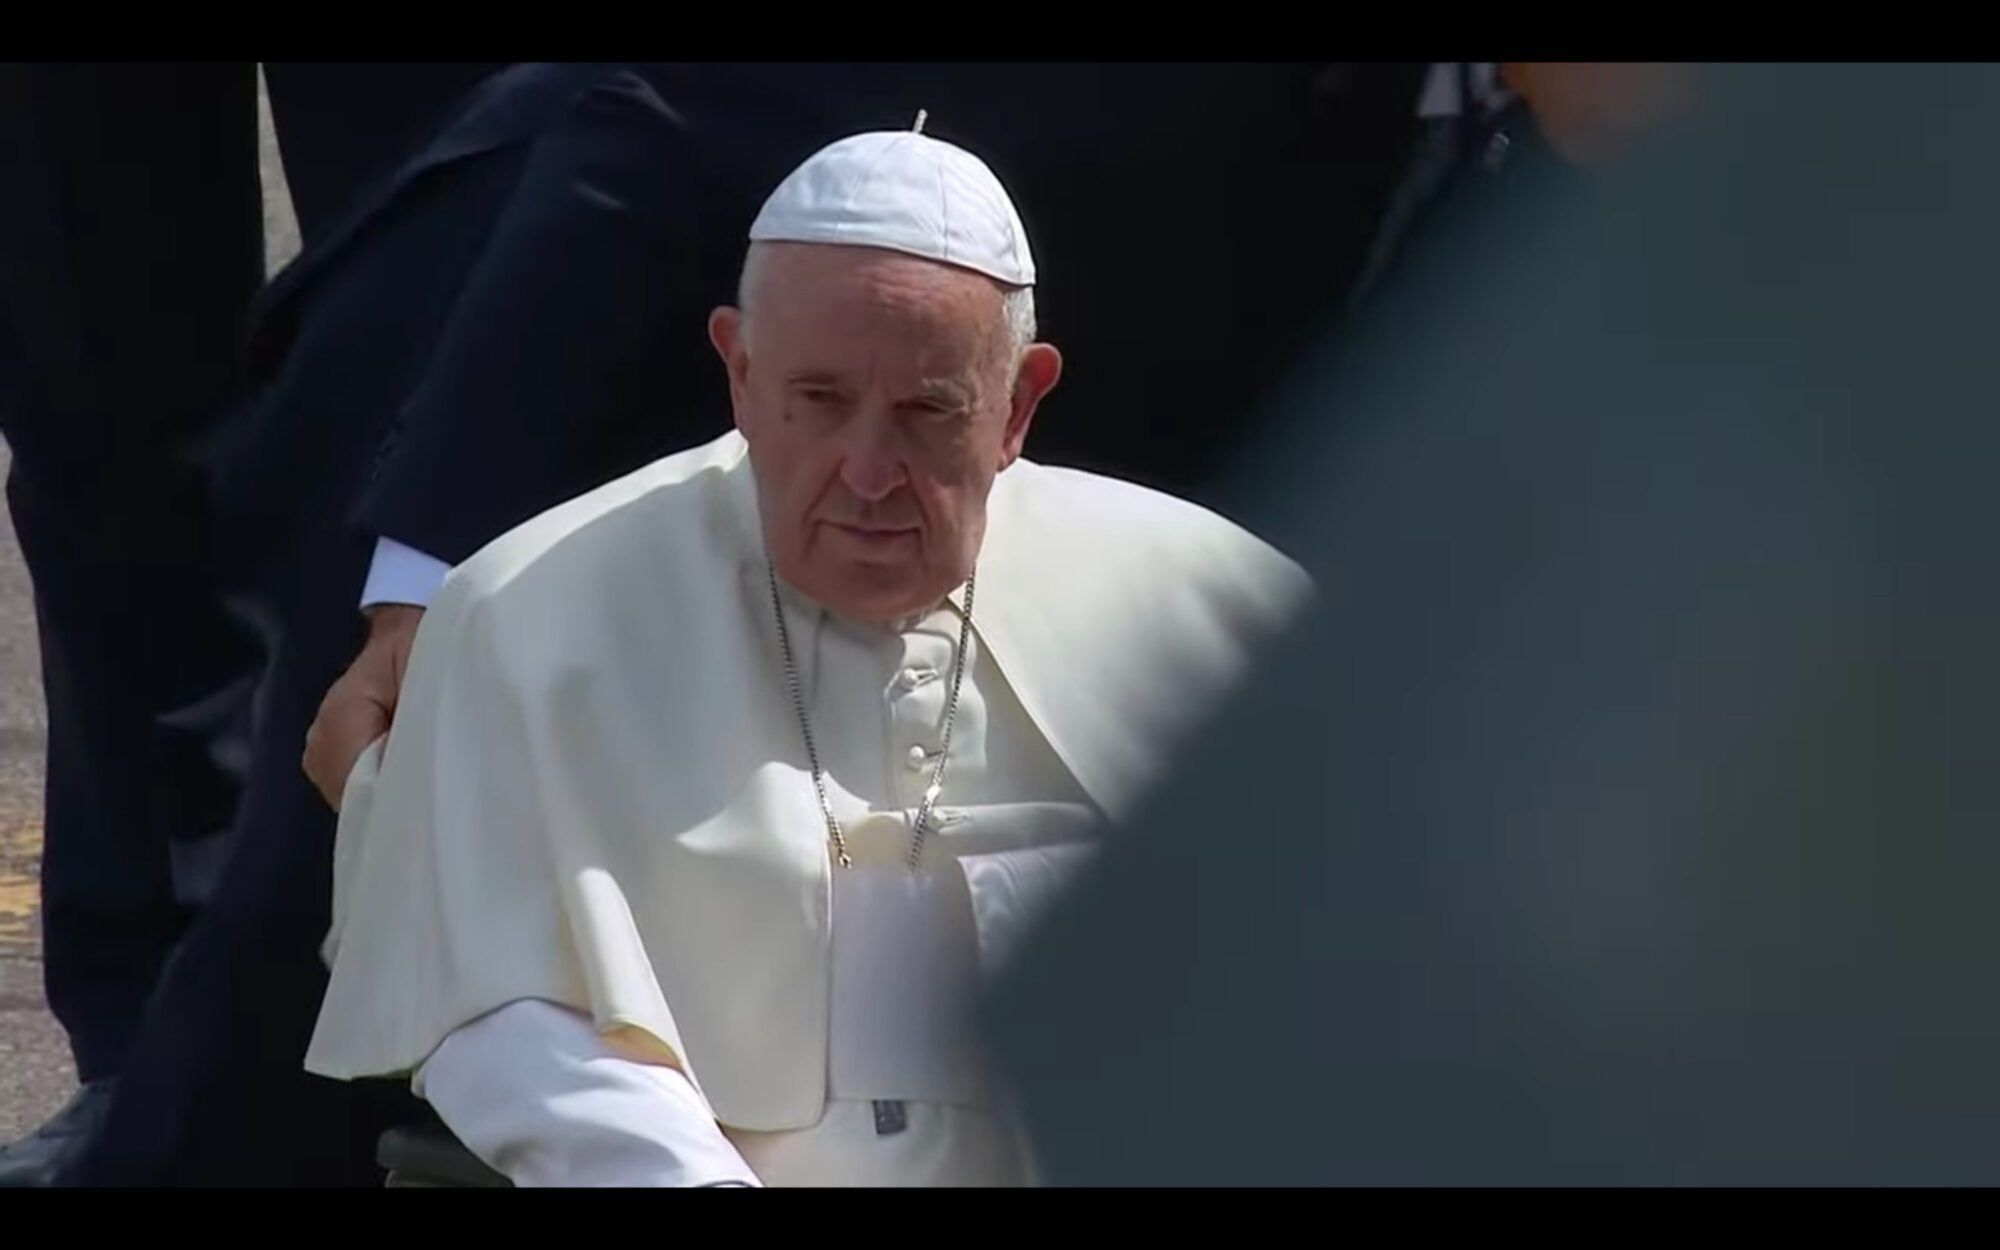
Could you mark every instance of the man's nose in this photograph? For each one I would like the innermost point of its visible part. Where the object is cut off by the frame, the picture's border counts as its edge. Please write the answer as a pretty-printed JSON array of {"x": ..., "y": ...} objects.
[{"x": 872, "y": 464}]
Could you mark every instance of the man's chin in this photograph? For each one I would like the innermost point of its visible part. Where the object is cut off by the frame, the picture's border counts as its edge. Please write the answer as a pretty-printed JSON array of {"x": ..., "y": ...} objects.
[{"x": 876, "y": 592}]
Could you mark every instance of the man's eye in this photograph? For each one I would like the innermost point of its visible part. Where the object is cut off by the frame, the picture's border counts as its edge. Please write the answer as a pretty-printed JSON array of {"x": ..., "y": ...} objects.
[{"x": 820, "y": 396}]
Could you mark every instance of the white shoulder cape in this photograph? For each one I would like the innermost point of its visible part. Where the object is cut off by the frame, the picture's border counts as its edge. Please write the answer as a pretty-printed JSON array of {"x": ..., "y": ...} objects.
[{"x": 595, "y": 795}]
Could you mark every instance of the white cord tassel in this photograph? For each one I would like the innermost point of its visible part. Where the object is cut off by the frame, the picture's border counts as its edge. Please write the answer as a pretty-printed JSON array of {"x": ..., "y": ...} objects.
[{"x": 923, "y": 115}]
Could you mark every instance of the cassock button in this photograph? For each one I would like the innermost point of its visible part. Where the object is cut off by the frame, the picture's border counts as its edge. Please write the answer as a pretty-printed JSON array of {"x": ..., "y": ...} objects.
[
  {"x": 918, "y": 757},
  {"x": 911, "y": 678}
]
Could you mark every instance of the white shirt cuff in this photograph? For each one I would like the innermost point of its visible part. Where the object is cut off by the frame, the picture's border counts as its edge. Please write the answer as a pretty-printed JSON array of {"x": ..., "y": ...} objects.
[
  {"x": 541, "y": 1098},
  {"x": 404, "y": 575}
]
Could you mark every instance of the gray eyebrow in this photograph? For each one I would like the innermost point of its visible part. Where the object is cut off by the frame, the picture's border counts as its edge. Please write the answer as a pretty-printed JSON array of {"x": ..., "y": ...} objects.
[{"x": 947, "y": 389}]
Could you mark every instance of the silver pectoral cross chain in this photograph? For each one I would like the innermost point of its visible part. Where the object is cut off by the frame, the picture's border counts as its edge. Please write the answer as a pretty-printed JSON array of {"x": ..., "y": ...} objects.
[{"x": 891, "y": 1115}]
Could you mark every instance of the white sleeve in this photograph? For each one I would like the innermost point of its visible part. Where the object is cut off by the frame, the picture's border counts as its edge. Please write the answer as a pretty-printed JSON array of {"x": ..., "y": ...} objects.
[
  {"x": 541, "y": 1098},
  {"x": 399, "y": 574}
]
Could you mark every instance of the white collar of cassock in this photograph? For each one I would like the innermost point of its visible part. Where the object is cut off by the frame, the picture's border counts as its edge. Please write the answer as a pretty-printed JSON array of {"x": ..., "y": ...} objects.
[
  {"x": 802, "y": 609},
  {"x": 799, "y": 601}
]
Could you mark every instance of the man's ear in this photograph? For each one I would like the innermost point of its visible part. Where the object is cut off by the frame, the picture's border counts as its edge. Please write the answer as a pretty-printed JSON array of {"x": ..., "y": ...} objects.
[
  {"x": 725, "y": 331},
  {"x": 1039, "y": 371}
]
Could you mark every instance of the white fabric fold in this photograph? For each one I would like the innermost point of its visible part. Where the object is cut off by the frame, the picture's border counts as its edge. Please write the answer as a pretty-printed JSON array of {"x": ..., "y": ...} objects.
[
  {"x": 1010, "y": 890},
  {"x": 540, "y": 1097}
]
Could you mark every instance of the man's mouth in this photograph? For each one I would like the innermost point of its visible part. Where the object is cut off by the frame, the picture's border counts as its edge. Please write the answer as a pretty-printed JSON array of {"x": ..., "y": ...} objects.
[
  {"x": 873, "y": 543},
  {"x": 872, "y": 531}
]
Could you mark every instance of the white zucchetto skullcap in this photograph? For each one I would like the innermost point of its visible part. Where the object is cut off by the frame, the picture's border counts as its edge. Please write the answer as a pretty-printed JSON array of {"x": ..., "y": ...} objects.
[{"x": 907, "y": 192}]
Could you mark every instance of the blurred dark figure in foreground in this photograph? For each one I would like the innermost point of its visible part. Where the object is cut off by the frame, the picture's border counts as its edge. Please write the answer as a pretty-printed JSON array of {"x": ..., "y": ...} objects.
[{"x": 1628, "y": 815}]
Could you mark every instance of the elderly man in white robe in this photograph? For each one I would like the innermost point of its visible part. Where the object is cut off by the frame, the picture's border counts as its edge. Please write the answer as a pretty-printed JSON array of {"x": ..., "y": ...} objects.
[{"x": 714, "y": 794}]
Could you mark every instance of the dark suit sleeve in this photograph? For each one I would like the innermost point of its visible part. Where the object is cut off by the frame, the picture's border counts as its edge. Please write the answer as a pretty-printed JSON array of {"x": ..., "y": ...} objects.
[{"x": 575, "y": 350}]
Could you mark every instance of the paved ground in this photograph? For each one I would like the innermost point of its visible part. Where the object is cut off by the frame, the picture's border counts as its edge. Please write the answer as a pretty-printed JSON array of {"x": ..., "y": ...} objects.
[
  {"x": 34, "y": 1065},
  {"x": 35, "y": 1071}
]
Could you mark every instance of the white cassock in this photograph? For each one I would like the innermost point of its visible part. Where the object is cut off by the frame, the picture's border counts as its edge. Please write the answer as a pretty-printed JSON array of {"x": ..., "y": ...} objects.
[{"x": 587, "y": 893}]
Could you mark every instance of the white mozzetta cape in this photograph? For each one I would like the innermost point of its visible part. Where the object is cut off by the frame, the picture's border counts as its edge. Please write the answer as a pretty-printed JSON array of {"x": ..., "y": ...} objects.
[{"x": 595, "y": 793}]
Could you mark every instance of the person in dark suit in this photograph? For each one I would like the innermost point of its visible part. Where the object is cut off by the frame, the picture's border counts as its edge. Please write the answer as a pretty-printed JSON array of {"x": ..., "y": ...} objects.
[
  {"x": 1203, "y": 224},
  {"x": 509, "y": 316},
  {"x": 455, "y": 350},
  {"x": 131, "y": 246}
]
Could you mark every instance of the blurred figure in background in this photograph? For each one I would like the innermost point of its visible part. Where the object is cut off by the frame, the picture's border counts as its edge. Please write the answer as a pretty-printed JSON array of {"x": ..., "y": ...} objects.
[{"x": 1486, "y": 127}]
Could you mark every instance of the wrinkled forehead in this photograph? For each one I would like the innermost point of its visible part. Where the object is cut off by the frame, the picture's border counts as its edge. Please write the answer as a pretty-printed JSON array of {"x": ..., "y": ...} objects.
[{"x": 857, "y": 297}]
